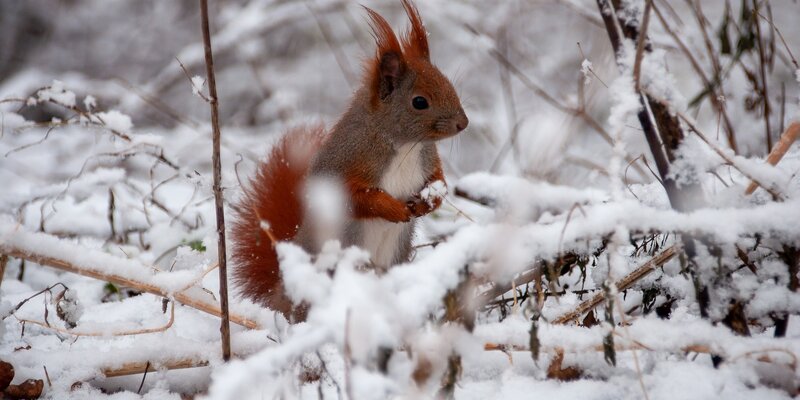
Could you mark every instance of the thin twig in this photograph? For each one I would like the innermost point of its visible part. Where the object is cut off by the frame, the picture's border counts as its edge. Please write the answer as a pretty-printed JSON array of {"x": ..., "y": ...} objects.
[
  {"x": 591, "y": 70},
  {"x": 47, "y": 375},
  {"x": 511, "y": 111},
  {"x": 225, "y": 328},
  {"x": 780, "y": 35},
  {"x": 716, "y": 99},
  {"x": 763, "y": 73},
  {"x": 547, "y": 97},
  {"x": 146, "y": 368},
  {"x": 103, "y": 333},
  {"x": 338, "y": 54}
]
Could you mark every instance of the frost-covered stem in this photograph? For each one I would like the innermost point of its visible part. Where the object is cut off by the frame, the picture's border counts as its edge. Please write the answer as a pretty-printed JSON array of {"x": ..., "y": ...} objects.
[{"x": 225, "y": 326}]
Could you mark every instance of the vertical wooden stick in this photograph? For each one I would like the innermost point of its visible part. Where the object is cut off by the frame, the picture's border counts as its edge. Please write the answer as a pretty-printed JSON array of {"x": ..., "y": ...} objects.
[{"x": 225, "y": 328}]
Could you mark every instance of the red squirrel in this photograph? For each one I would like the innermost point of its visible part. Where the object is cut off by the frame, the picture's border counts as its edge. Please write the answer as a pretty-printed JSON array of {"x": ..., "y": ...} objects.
[{"x": 382, "y": 150}]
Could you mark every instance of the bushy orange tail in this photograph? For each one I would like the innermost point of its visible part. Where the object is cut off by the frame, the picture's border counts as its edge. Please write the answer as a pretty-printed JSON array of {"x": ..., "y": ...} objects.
[{"x": 271, "y": 209}]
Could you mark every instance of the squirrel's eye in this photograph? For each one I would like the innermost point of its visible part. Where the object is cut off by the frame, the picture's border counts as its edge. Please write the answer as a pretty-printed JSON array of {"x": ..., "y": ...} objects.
[{"x": 419, "y": 102}]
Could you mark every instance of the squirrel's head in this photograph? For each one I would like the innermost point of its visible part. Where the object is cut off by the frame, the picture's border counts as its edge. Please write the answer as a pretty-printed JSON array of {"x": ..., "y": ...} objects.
[{"x": 406, "y": 88}]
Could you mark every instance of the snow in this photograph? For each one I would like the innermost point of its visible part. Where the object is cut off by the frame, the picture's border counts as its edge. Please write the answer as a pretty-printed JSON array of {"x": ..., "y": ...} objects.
[
  {"x": 197, "y": 85},
  {"x": 115, "y": 120},
  {"x": 89, "y": 102},
  {"x": 586, "y": 70},
  {"x": 57, "y": 93},
  {"x": 140, "y": 209},
  {"x": 434, "y": 191}
]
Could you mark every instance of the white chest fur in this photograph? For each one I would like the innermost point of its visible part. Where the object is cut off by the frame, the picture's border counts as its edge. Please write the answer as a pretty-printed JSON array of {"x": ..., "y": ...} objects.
[{"x": 403, "y": 177}]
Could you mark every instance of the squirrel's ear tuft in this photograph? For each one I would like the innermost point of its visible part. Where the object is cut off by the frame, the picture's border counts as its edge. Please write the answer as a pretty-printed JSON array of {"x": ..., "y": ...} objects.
[
  {"x": 389, "y": 65},
  {"x": 415, "y": 41}
]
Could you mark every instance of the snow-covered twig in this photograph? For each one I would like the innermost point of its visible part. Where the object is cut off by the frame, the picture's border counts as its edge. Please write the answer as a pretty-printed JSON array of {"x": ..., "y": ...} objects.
[{"x": 622, "y": 284}]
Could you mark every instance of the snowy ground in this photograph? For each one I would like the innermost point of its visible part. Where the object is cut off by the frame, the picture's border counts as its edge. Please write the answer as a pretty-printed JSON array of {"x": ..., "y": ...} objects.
[{"x": 105, "y": 165}]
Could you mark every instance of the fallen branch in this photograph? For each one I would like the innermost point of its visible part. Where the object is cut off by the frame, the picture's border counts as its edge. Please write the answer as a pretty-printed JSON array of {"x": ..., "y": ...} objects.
[
  {"x": 695, "y": 348},
  {"x": 140, "y": 367},
  {"x": 181, "y": 297},
  {"x": 622, "y": 284}
]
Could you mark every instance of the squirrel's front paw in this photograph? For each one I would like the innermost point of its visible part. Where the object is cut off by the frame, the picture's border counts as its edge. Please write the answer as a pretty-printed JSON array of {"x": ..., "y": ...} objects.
[
  {"x": 418, "y": 207},
  {"x": 433, "y": 193},
  {"x": 428, "y": 199}
]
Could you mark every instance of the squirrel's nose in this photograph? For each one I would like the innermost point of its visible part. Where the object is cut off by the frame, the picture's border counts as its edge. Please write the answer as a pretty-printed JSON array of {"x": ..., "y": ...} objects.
[{"x": 461, "y": 122}]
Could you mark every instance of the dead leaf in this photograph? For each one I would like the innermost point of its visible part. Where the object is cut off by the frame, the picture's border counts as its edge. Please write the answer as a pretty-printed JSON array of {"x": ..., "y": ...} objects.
[
  {"x": 555, "y": 371},
  {"x": 28, "y": 390}
]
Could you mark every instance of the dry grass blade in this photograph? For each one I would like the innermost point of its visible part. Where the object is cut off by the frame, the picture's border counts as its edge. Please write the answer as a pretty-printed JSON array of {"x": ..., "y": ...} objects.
[{"x": 790, "y": 136}]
